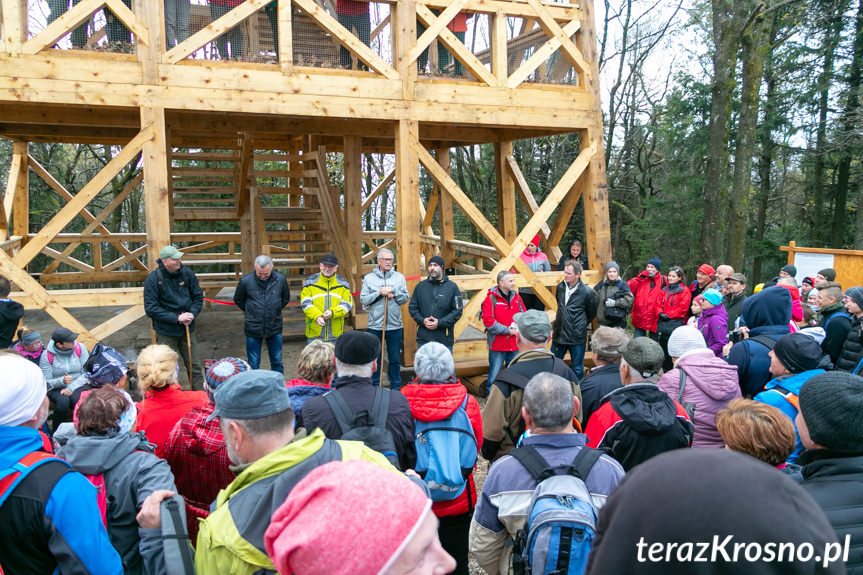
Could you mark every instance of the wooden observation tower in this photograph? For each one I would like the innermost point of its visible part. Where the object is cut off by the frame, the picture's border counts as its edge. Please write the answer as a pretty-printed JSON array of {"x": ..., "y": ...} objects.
[{"x": 244, "y": 137}]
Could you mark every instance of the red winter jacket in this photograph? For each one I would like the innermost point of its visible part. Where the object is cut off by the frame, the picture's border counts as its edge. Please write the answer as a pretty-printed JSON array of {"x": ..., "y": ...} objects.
[
  {"x": 675, "y": 301},
  {"x": 796, "y": 306},
  {"x": 435, "y": 401},
  {"x": 648, "y": 296},
  {"x": 497, "y": 312},
  {"x": 161, "y": 409}
]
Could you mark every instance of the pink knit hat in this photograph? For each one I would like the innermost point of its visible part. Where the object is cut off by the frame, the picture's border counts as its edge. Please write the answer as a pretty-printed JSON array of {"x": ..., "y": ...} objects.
[{"x": 345, "y": 518}]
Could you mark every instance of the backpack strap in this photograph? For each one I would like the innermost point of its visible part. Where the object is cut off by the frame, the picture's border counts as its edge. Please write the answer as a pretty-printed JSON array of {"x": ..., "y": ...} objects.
[
  {"x": 12, "y": 476},
  {"x": 584, "y": 462},
  {"x": 531, "y": 460},
  {"x": 767, "y": 342},
  {"x": 341, "y": 411},
  {"x": 682, "y": 384},
  {"x": 182, "y": 541},
  {"x": 380, "y": 408},
  {"x": 791, "y": 398}
]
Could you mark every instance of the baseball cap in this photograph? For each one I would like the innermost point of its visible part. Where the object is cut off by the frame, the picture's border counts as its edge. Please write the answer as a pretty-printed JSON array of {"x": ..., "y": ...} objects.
[
  {"x": 643, "y": 355},
  {"x": 170, "y": 252},
  {"x": 533, "y": 324}
]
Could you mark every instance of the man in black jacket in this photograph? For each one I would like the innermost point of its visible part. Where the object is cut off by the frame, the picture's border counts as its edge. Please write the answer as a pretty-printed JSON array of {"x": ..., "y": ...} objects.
[
  {"x": 834, "y": 319},
  {"x": 262, "y": 295},
  {"x": 830, "y": 424},
  {"x": 356, "y": 359},
  {"x": 172, "y": 300},
  {"x": 605, "y": 343},
  {"x": 436, "y": 305},
  {"x": 576, "y": 308}
]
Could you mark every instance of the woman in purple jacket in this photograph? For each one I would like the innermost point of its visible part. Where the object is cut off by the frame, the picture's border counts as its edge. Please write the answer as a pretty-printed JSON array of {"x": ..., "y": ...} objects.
[
  {"x": 709, "y": 384},
  {"x": 713, "y": 321}
]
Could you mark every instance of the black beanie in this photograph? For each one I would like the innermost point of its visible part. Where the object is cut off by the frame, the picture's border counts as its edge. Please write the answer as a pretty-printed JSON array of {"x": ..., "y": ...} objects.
[
  {"x": 832, "y": 407},
  {"x": 357, "y": 347},
  {"x": 829, "y": 274},
  {"x": 695, "y": 495},
  {"x": 798, "y": 352},
  {"x": 436, "y": 260},
  {"x": 856, "y": 293},
  {"x": 790, "y": 270}
]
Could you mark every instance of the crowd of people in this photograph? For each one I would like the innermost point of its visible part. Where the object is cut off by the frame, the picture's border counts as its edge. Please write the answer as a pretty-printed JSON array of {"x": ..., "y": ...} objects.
[{"x": 619, "y": 470}]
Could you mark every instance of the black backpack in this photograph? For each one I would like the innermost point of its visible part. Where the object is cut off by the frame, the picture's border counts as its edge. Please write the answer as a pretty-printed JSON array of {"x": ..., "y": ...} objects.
[{"x": 370, "y": 428}]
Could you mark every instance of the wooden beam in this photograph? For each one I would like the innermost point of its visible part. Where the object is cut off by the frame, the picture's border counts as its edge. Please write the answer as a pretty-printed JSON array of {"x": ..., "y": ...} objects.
[
  {"x": 16, "y": 183},
  {"x": 435, "y": 27},
  {"x": 62, "y": 258},
  {"x": 118, "y": 322},
  {"x": 381, "y": 187},
  {"x": 531, "y": 206},
  {"x": 14, "y": 31},
  {"x": 68, "y": 212},
  {"x": 100, "y": 297},
  {"x": 241, "y": 171},
  {"x": 458, "y": 50},
  {"x": 563, "y": 37},
  {"x": 353, "y": 162},
  {"x": 21, "y": 202},
  {"x": 506, "y": 221},
  {"x": 66, "y": 23},
  {"x": 285, "y": 49},
  {"x": 132, "y": 257},
  {"x": 68, "y": 278},
  {"x": 447, "y": 226},
  {"x": 213, "y": 30},
  {"x": 156, "y": 185},
  {"x": 130, "y": 21},
  {"x": 404, "y": 36},
  {"x": 329, "y": 210},
  {"x": 345, "y": 38},
  {"x": 499, "y": 59},
  {"x": 407, "y": 218},
  {"x": 541, "y": 55}
]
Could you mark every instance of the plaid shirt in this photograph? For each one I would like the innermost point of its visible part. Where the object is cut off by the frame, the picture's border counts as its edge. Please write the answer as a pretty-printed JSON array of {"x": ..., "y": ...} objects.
[{"x": 196, "y": 452}]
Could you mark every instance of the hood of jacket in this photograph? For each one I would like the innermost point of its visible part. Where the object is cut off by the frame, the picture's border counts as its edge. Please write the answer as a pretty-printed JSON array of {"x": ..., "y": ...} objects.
[
  {"x": 644, "y": 407},
  {"x": 16, "y": 442},
  {"x": 11, "y": 312},
  {"x": 714, "y": 376},
  {"x": 54, "y": 351},
  {"x": 770, "y": 306},
  {"x": 200, "y": 436},
  {"x": 93, "y": 454},
  {"x": 434, "y": 401}
]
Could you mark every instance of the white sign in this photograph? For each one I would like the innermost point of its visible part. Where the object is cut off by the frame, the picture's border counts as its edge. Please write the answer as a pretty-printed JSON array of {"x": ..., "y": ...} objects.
[{"x": 808, "y": 264}]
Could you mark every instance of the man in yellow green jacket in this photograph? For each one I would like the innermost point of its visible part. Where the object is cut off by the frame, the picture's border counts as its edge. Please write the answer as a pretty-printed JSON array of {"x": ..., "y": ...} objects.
[
  {"x": 326, "y": 300},
  {"x": 255, "y": 416}
]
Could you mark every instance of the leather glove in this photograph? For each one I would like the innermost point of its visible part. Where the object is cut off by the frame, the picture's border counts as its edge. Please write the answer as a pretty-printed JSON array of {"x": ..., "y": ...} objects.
[
  {"x": 664, "y": 317},
  {"x": 610, "y": 303},
  {"x": 644, "y": 275}
]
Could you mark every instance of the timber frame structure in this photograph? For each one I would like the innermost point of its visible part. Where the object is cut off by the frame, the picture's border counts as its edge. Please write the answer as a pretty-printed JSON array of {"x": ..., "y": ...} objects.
[{"x": 164, "y": 105}]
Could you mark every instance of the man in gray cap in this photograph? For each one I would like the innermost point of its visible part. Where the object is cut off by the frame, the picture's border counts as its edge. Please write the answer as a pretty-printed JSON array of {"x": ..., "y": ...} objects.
[
  {"x": 256, "y": 419},
  {"x": 639, "y": 420},
  {"x": 732, "y": 298},
  {"x": 172, "y": 300},
  {"x": 830, "y": 424},
  {"x": 502, "y": 421}
]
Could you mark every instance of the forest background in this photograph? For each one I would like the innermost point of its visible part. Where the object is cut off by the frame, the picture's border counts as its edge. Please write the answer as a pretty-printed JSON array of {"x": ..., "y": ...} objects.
[{"x": 731, "y": 128}]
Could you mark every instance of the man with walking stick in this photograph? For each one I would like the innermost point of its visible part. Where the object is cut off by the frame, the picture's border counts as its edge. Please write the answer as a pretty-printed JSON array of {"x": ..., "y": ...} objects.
[
  {"x": 384, "y": 291},
  {"x": 172, "y": 300}
]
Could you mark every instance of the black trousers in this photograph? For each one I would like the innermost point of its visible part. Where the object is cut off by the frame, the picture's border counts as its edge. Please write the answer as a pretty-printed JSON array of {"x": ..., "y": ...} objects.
[
  {"x": 64, "y": 405},
  {"x": 453, "y": 533}
]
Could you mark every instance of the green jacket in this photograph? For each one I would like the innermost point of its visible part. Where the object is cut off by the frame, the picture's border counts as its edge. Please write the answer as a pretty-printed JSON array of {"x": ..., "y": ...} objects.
[
  {"x": 231, "y": 539},
  {"x": 320, "y": 294}
]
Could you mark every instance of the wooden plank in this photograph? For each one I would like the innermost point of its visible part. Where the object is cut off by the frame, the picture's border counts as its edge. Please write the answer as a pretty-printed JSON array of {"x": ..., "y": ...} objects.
[
  {"x": 499, "y": 59},
  {"x": 68, "y": 212},
  {"x": 132, "y": 257},
  {"x": 241, "y": 172},
  {"x": 38, "y": 294},
  {"x": 563, "y": 37},
  {"x": 531, "y": 206},
  {"x": 505, "y": 191},
  {"x": 435, "y": 27},
  {"x": 381, "y": 187},
  {"x": 97, "y": 297},
  {"x": 458, "y": 50},
  {"x": 447, "y": 225},
  {"x": 541, "y": 55},
  {"x": 13, "y": 15},
  {"x": 21, "y": 201},
  {"x": 346, "y": 39},
  {"x": 407, "y": 218},
  {"x": 285, "y": 49},
  {"x": 156, "y": 185},
  {"x": 62, "y": 258},
  {"x": 353, "y": 160},
  {"x": 118, "y": 322},
  {"x": 213, "y": 30},
  {"x": 128, "y": 18},
  {"x": 61, "y": 26},
  {"x": 328, "y": 209}
]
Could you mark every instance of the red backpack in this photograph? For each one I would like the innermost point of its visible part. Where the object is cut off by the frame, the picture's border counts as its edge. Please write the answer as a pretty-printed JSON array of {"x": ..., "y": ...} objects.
[{"x": 77, "y": 352}]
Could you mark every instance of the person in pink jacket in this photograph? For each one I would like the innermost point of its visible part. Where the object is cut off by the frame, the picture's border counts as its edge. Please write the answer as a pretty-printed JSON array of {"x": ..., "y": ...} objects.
[{"x": 709, "y": 383}]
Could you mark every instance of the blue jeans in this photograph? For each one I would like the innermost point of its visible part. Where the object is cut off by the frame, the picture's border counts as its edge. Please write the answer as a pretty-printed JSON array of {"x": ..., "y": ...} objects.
[
  {"x": 496, "y": 360},
  {"x": 637, "y": 332},
  {"x": 576, "y": 356},
  {"x": 274, "y": 349},
  {"x": 394, "y": 349}
]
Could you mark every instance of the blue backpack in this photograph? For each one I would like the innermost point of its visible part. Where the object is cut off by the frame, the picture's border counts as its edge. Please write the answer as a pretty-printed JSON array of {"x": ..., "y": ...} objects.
[
  {"x": 446, "y": 453},
  {"x": 561, "y": 518}
]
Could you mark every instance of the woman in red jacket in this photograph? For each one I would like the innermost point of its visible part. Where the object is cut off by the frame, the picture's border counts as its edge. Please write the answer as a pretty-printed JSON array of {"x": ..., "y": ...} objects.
[
  {"x": 673, "y": 309},
  {"x": 436, "y": 394},
  {"x": 165, "y": 403}
]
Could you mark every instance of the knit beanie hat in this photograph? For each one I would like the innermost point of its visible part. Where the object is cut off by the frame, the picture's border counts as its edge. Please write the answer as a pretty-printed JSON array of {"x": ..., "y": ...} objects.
[
  {"x": 436, "y": 260},
  {"x": 814, "y": 293},
  {"x": 22, "y": 391},
  {"x": 856, "y": 294},
  {"x": 789, "y": 269},
  {"x": 223, "y": 369},
  {"x": 30, "y": 337},
  {"x": 707, "y": 270},
  {"x": 712, "y": 295},
  {"x": 610, "y": 265},
  {"x": 832, "y": 407},
  {"x": 829, "y": 274},
  {"x": 433, "y": 363},
  {"x": 809, "y": 280},
  {"x": 797, "y": 352},
  {"x": 655, "y": 262},
  {"x": 345, "y": 518},
  {"x": 535, "y": 241},
  {"x": 683, "y": 339}
]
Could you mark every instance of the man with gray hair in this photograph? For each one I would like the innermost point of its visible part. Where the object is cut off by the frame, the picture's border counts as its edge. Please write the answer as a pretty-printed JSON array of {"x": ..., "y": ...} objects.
[
  {"x": 383, "y": 293},
  {"x": 639, "y": 420},
  {"x": 256, "y": 419},
  {"x": 503, "y": 423},
  {"x": 605, "y": 377},
  {"x": 262, "y": 295},
  {"x": 356, "y": 403},
  {"x": 548, "y": 410}
]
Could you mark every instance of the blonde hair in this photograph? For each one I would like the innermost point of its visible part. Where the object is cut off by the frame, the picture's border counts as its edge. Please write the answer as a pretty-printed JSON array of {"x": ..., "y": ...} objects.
[
  {"x": 317, "y": 362},
  {"x": 157, "y": 367}
]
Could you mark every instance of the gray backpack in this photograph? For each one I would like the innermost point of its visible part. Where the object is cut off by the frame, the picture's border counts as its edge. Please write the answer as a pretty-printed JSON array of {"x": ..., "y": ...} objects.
[{"x": 365, "y": 426}]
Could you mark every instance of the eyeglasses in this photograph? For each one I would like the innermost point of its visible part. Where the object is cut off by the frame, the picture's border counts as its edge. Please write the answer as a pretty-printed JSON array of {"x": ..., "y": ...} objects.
[
  {"x": 32, "y": 343},
  {"x": 385, "y": 259}
]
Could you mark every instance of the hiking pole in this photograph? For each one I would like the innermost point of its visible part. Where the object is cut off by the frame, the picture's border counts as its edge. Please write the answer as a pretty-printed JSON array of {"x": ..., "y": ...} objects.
[
  {"x": 384, "y": 341},
  {"x": 189, "y": 347}
]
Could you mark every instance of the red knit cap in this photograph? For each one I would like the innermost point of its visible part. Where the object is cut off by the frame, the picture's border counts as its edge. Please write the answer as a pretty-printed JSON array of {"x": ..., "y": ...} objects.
[
  {"x": 535, "y": 240},
  {"x": 345, "y": 518},
  {"x": 707, "y": 269}
]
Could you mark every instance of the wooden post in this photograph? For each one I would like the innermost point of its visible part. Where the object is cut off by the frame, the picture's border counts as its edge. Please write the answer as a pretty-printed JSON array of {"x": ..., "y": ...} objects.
[
  {"x": 593, "y": 185},
  {"x": 406, "y": 38},
  {"x": 16, "y": 200},
  {"x": 353, "y": 151},
  {"x": 447, "y": 228},
  {"x": 13, "y": 14},
  {"x": 499, "y": 59},
  {"x": 156, "y": 185},
  {"x": 285, "y": 45},
  {"x": 506, "y": 221},
  {"x": 407, "y": 220}
]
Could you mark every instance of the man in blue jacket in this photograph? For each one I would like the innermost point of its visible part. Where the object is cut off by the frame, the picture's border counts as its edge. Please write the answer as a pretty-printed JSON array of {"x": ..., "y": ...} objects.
[
  {"x": 262, "y": 295},
  {"x": 172, "y": 300},
  {"x": 49, "y": 519}
]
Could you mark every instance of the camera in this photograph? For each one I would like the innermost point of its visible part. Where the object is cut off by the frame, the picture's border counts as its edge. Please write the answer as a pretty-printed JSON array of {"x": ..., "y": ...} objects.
[{"x": 736, "y": 336}]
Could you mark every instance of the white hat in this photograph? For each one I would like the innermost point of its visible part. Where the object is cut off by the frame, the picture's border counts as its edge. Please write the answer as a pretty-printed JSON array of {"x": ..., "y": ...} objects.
[
  {"x": 22, "y": 390},
  {"x": 683, "y": 339}
]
